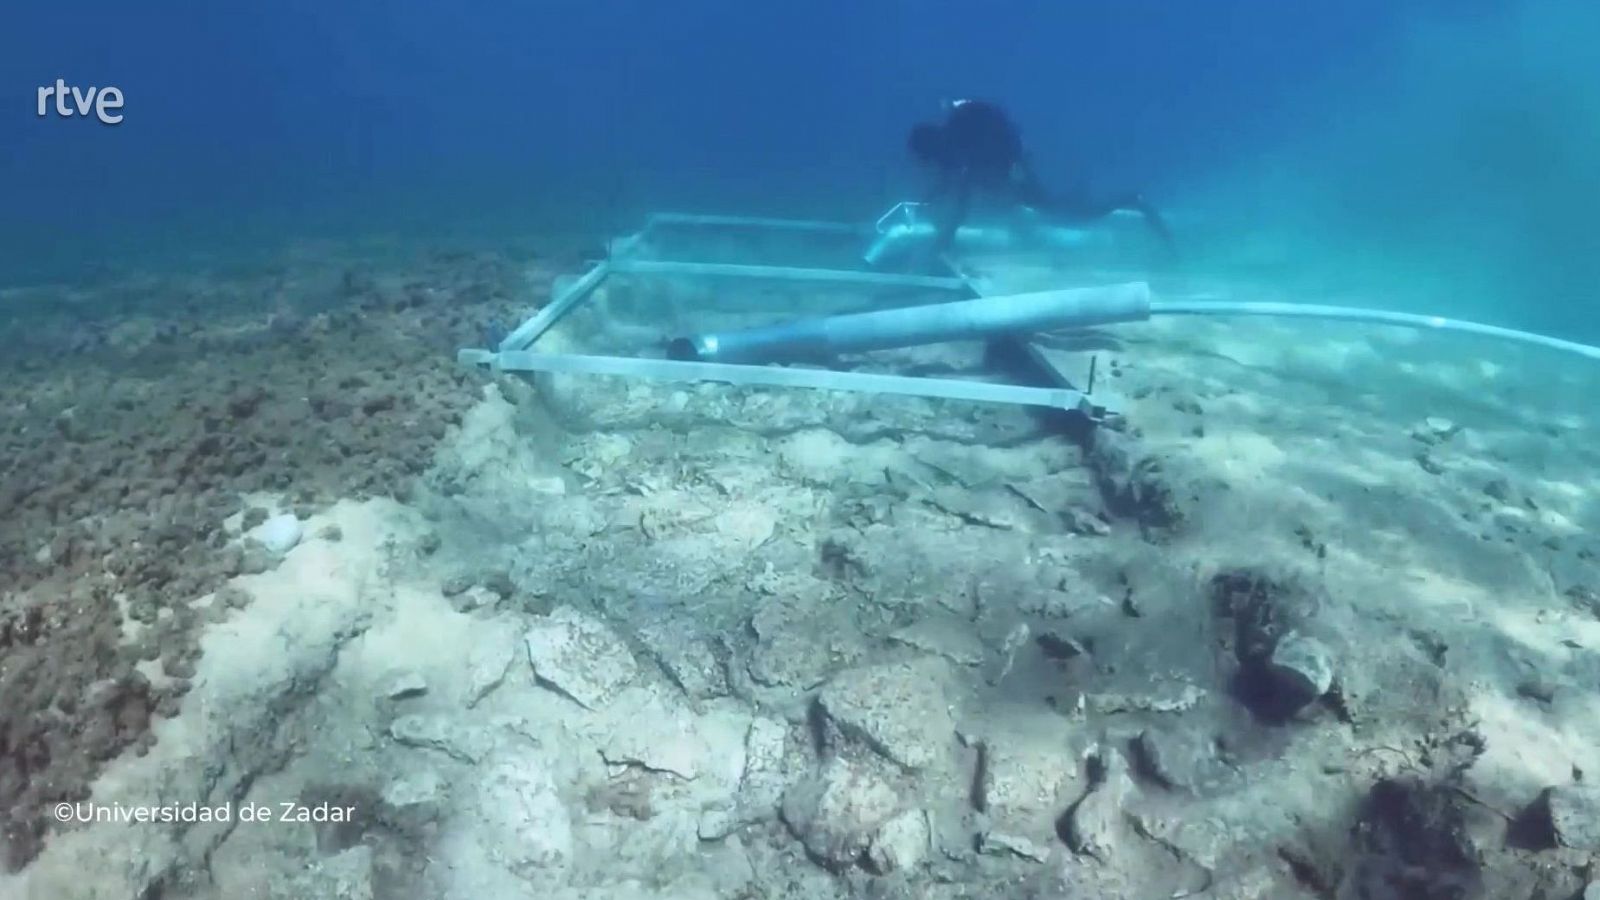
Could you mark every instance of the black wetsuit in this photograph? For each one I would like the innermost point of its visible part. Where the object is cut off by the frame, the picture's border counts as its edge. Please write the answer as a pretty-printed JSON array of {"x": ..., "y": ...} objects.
[{"x": 978, "y": 148}]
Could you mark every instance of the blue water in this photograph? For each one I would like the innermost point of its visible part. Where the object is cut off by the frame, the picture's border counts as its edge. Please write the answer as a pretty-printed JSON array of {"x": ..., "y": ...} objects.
[{"x": 1444, "y": 150}]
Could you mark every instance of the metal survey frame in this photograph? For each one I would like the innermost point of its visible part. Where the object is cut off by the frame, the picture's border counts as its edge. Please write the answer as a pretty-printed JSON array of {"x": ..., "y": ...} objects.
[{"x": 514, "y": 354}]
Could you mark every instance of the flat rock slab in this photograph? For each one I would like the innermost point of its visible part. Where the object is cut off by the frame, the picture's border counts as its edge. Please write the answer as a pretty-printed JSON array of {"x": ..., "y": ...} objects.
[
  {"x": 688, "y": 658},
  {"x": 901, "y": 843},
  {"x": 1181, "y": 758},
  {"x": 579, "y": 656},
  {"x": 414, "y": 799},
  {"x": 794, "y": 644},
  {"x": 487, "y": 664},
  {"x": 945, "y": 636},
  {"x": 901, "y": 710},
  {"x": 1027, "y": 769},
  {"x": 761, "y": 784},
  {"x": 655, "y": 734},
  {"x": 838, "y": 810},
  {"x": 434, "y": 732},
  {"x": 523, "y": 824},
  {"x": 404, "y": 684}
]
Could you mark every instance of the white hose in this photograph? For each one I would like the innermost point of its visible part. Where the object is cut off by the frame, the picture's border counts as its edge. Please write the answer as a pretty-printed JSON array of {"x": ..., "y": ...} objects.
[{"x": 1368, "y": 316}]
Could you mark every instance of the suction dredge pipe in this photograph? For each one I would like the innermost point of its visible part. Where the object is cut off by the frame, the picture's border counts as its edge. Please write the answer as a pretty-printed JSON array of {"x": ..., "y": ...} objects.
[
  {"x": 990, "y": 317},
  {"x": 912, "y": 325}
]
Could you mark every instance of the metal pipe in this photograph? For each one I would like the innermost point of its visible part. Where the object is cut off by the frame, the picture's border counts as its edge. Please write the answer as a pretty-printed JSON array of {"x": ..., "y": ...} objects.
[
  {"x": 898, "y": 240},
  {"x": 776, "y": 376},
  {"x": 1364, "y": 316},
  {"x": 529, "y": 331},
  {"x": 783, "y": 273},
  {"x": 717, "y": 221},
  {"x": 904, "y": 227},
  {"x": 984, "y": 317}
]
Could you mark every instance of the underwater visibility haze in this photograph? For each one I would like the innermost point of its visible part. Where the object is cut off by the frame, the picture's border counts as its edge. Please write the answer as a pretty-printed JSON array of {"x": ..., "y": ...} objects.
[{"x": 674, "y": 451}]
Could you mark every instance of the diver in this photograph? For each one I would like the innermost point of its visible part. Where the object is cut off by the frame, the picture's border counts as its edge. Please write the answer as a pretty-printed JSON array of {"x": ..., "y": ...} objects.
[{"x": 978, "y": 148}]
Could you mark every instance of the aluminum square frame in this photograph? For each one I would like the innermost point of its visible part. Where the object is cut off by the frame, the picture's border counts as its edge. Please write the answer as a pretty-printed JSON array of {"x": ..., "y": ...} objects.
[{"x": 518, "y": 351}]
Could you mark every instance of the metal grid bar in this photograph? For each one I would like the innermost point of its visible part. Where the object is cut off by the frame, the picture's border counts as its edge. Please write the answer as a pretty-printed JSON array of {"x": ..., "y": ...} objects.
[
  {"x": 667, "y": 218},
  {"x": 784, "y": 273},
  {"x": 529, "y": 331},
  {"x": 771, "y": 376},
  {"x": 514, "y": 355}
]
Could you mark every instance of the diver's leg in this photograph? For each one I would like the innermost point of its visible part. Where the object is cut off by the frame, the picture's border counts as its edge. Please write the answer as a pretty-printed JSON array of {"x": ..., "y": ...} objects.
[
  {"x": 1082, "y": 209},
  {"x": 1152, "y": 218}
]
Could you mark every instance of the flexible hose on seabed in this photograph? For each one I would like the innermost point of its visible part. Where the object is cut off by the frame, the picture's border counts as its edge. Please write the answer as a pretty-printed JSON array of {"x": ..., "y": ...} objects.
[
  {"x": 1038, "y": 311},
  {"x": 1364, "y": 316},
  {"x": 902, "y": 225}
]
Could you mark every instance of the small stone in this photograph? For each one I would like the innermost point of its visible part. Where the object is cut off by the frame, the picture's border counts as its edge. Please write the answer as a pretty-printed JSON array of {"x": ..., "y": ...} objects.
[
  {"x": 428, "y": 544},
  {"x": 1498, "y": 489},
  {"x": 900, "y": 844},
  {"x": 1014, "y": 641},
  {"x": 1585, "y": 600},
  {"x": 253, "y": 517},
  {"x": 70, "y": 426},
  {"x": 455, "y": 584},
  {"x": 1428, "y": 464},
  {"x": 475, "y": 597},
  {"x": 1086, "y": 523},
  {"x": 256, "y": 559},
  {"x": 405, "y": 685},
  {"x": 414, "y": 800},
  {"x": 1187, "y": 405},
  {"x": 1537, "y": 689},
  {"x": 232, "y": 597},
  {"x": 1302, "y": 667},
  {"x": 1180, "y": 759},
  {"x": 499, "y": 584},
  {"x": 278, "y": 534},
  {"x": 1058, "y": 645},
  {"x": 997, "y": 843},
  {"x": 1440, "y": 426},
  {"x": 331, "y": 533},
  {"x": 716, "y": 823},
  {"x": 1095, "y": 825}
]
